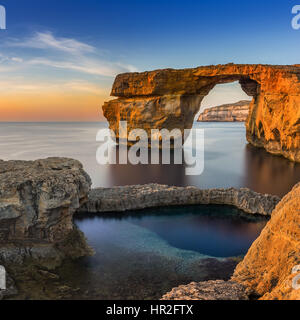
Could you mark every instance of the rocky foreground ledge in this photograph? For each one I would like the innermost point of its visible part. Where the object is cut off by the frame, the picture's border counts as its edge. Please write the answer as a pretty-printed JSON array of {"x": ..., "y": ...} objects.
[
  {"x": 119, "y": 199},
  {"x": 208, "y": 290},
  {"x": 37, "y": 203}
]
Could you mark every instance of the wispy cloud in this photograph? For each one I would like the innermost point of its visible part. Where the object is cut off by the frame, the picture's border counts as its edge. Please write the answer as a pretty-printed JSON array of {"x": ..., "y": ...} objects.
[
  {"x": 89, "y": 66},
  {"x": 9, "y": 64},
  {"x": 46, "y": 40},
  {"x": 68, "y": 54}
]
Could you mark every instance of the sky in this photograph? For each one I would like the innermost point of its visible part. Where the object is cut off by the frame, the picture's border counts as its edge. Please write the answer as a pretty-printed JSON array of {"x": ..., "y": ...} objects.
[{"x": 58, "y": 59}]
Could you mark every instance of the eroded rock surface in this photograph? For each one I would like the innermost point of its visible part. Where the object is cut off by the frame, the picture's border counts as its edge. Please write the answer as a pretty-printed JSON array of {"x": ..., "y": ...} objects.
[
  {"x": 267, "y": 267},
  {"x": 118, "y": 199},
  {"x": 208, "y": 290},
  {"x": 37, "y": 203},
  {"x": 171, "y": 98},
  {"x": 226, "y": 113}
]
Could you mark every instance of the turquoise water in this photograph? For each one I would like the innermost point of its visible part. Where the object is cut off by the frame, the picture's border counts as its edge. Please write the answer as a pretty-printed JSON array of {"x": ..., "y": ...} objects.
[{"x": 143, "y": 254}]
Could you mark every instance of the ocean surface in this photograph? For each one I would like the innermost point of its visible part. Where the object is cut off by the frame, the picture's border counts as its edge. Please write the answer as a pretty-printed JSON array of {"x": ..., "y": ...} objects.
[
  {"x": 144, "y": 254},
  {"x": 229, "y": 160}
]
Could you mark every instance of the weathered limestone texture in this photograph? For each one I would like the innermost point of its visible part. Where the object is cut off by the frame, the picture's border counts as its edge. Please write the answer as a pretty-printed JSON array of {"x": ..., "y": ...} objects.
[
  {"x": 118, "y": 199},
  {"x": 208, "y": 290},
  {"x": 37, "y": 203},
  {"x": 171, "y": 98},
  {"x": 268, "y": 265}
]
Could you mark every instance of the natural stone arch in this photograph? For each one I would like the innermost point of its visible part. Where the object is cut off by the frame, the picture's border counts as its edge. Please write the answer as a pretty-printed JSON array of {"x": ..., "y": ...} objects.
[{"x": 170, "y": 99}]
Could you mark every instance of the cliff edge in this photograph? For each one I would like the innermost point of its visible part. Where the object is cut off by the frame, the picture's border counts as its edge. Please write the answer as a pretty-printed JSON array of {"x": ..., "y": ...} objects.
[{"x": 231, "y": 112}]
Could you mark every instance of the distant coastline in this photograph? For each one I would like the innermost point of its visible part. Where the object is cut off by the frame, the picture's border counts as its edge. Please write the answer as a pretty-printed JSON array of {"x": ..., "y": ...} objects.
[{"x": 232, "y": 112}]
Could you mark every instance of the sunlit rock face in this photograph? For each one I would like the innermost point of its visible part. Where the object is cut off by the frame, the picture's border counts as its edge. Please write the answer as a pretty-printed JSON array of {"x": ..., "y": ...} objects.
[
  {"x": 226, "y": 113},
  {"x": 171, "y": 98},
  {"x": 173, "y": 111},
  {"x": 272, "y": 263}
]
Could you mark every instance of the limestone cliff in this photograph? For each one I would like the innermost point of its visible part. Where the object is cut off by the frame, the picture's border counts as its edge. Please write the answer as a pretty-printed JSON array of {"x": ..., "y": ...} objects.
[
  {"x": 171, "y": 98},
  {"x": 267, "y": 267},
  {"x": 226, "y": 113},
  {"x": 37, "y": 203}
]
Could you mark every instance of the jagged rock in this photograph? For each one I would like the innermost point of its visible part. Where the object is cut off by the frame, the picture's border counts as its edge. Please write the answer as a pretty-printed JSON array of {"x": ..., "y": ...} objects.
[
  {"x": 269, "y": 267},
  {"x": 226, "y": 113},
  {"x": 154, "y": 195},
  {"x": 208, "y": 290},
  {"x": 37, "y": 203},
  {"x": 171, "y": 98}
]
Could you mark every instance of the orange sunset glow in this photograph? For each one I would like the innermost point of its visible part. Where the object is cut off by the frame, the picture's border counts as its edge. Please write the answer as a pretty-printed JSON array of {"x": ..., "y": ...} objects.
[{"x": 75, "y": 106}]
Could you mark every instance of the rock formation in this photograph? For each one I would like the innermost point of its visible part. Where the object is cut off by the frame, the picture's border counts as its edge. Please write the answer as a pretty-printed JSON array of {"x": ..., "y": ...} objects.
[
  {"x": 226, "y": 113},
  {"x": 37, "y": 203},
  {"x": 118, "y": 199},
  {"x": 267, "y": 268},
  {"x": 171, "y": 98},
  {"x": 208, "y": 290}
]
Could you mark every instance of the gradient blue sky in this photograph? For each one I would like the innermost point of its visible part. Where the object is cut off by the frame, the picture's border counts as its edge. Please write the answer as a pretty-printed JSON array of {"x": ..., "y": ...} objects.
[{"x": 68, "y": 48}]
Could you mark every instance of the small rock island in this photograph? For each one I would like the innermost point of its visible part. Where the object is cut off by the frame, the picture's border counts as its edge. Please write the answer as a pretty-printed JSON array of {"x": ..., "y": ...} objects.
[{"x": 232, "y": 112}]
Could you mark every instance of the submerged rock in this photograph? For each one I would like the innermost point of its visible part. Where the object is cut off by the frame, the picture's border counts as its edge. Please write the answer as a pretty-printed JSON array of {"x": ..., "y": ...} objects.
[
  {"x": 118, "y": 199},
  {"x": 226, "y": 113},
  {"x": 37, "y": 203},
  {"x": 208, "y": 290},
  {"x": 271, "y": 266}
]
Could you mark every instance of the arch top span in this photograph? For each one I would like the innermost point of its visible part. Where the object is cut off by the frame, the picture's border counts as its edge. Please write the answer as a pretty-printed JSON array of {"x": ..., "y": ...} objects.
[
  {"x": 170, "y": 98},
  {"x": 196, "y": 80}
]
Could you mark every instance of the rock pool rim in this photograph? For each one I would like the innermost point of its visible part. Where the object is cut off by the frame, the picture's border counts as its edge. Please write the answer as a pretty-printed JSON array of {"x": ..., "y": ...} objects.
[{"x": 135, "y": 197}]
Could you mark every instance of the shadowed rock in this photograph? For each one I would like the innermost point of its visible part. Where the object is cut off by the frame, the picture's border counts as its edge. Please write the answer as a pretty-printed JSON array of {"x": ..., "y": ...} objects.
[
  {"x": 37, "y": 202},
  {"x": 119, "y": 199}
]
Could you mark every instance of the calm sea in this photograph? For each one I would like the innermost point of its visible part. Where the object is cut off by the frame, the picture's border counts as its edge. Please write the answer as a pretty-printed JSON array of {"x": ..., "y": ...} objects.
[{"x": 229, "y": 160}]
